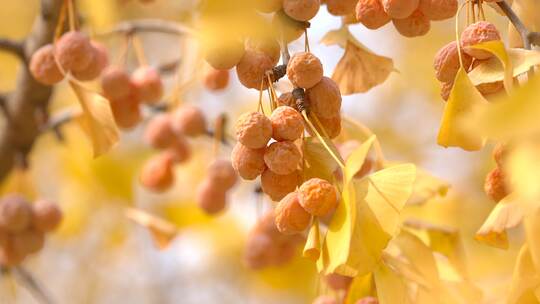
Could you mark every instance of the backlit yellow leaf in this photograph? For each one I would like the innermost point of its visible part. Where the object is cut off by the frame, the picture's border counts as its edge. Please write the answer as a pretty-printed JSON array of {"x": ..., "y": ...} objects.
[
  {"x": 523, "y": 169},
  {"x": 526, "y": 277},
  {"x": 97, "y": 119},
  {"x": 492, "y": 70},
  {"x": 496, "y": 47},
  {"x": 361, "y": 287},
  {"x": 336, "y": 37},
  {"x": 464, "y": 98},
  {"x": 312, "y": 249},
  {"x": 426, "y": 187},
  {"x": 391, "y": 289},
  {"x": 506, "y": 214},
  {"x": 319, "y": 163},
  {"x": 419, "y": 254},
  {"x": 163, "y": 232},
  {"x": 356, "y": 160}
]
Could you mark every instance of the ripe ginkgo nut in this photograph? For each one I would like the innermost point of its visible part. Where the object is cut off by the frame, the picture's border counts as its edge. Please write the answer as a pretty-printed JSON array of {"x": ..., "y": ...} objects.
[
  {"x": 222, "y": 174},
  {"x": 189, "y": 120},
  {"x": 371, "y": 14},
  {"x": 248, "y": 163},
  {"x": 304, "y": 70},
  {"x": 291, "y": 218},
  {"x": 43, "y": 66},
  {"x": 211, "y": 197},
  {"x": 282, "y": 157},
  {"x": 46, "y": 215},
  {"x": 157, "y": 174},
  {"x": 15, "y": 213},
  {"x": 148, "y": 84},
  {"x": 318, "y": 197},
  {"x": 287, "y": 124},
  {"x": 74, "y": 51},
  {"x": 400, "y": 9},
  {"x": 324, "y": 99},
  {"x": 301, "y": 10},
  {"x": 277, "y": 186},
  {"x": 252, "y": 68},
  {"x": 253, "y": 130},
  {"x": 417, "y": 24},
  {"x": 495, "y": 185},
  {"x": 476, "y": 33}
]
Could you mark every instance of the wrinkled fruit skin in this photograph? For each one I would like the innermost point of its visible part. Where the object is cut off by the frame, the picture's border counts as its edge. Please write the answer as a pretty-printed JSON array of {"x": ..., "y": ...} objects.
[
  {"x": 446, "y": 89},
  {"x": 46, "y": 216},
  {"x": 286, "y": 99},
  {"x": 415, "y": 25},
  {"x": 304, "y": 70},
  {"x": 340, "y": 7},
  {"x": 287, "y": 124},
  {"x": 157, "y": 174},
  {"x": 332, "y": 126},
  {"x": 438, "y": 9},
  {"x": 222, "y": 173},
  {"x": 301, "y": 10},
  {"x": 500, "y": 153},
  {"x": 148, "y": 83},
  {"x": 278, "y": 186},
  {"x": 159, "y": 133},
  {"x": 282, "y": 157},
  {"x": 481, "y": 31},
  {"x": 252, "y": 68},
  {"x": 291, "y": 218},
  {"x": 400, "y": 9},
  {"x": 211, "y": 197},
  {"x": 338, "y": 282},
  {"x": 324, "y": 99},
  {"x": 318, "y": 197},
  {"x": 446, "y": 63},
  {"x": 268, "y": 46},
  {"x": 253, "y": 130},
  {"x": 495, "y": 185},
  {"x": 371, "y": 14},
  {"x": 248, "y": 163},
  {"x": 189, "y": 120},
  {"x": 74, "y": 51},
  {"x": 15, "y": 213},
  {"x": 43, "y": 66}
]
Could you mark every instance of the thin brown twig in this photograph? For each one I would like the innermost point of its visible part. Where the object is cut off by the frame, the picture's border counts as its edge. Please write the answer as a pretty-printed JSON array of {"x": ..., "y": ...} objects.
[
  {"x": 29, "y": 282},
  {"x": 13, "y": 46},
  {"x": 149, "y": 25},
  {"x": 518, "y": 24}
]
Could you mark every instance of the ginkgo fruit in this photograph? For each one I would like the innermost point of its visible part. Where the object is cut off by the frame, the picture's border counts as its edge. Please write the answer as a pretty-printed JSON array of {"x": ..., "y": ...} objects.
[
  {"x": 438, "y": 9},
  {"x": 447, "y": 62},
  {"x": 301, "y": 10},
  {"x": 446, "y": 88},
  {"x": 189, "y": 120},
  {"x": 253, "y": 130},
  {"x": 495, "y": 185},
  {"x": 157, "y": 174},
  {"x": 46, "y": 215},
  {"x": 216, "y": 80},
  {"x": 74, "y": 51},
  {"x": 9, "y": 256},
  {"x": 400, "y": 9},
  {"x": 159, "y": 133},
  {"x": 304, "y": 70},
  {"x": 340, "y": 7},
  {"x": 252, "y": 68},
  {"x": 337, "y": 281},
  {"x": 476, "y": 33},
  {"x": 28, "y": 241},
  {"x": 324, "y": 99},
  {"x": 248, "y": 163},
  {"x": 148, "y": 84},
  {"x": 222, "y": 174},
  {"x": 43, "y": 66},
  {"x": 286, "y": 99},
  {"x": 318, "y": 197},
  {"x": 266, "y": 45},
  {"x": 330, "y": 127},
  {"x": 291, "y": 218},
  {"x": 126, "y": 111},
  {"x": 277, "y": 186},
  {"x": 499, "y": 153},
  {"x": 417, "y": 24},
  {"x": 15, "y": 213},
  {"x": 371, "y": 14},
  {"x": 116, "y": 83},
  {"x": 223, "y": 54},
  {"x": 180, "y": 151},
  {"x": 100, "y": 60},
  {"x": 282, "y": 157},
  {"x": 287, "y": 124},
  {"x": 211, "y": 197}
]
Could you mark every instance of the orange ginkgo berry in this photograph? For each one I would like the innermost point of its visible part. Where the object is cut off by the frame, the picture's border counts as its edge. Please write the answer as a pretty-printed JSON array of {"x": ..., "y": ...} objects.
[
  {"x": 500, "y": 153},
  {"x": 291, "y": 218},
  {"x": 212, "y": 198},
  {"x": 46, "y": 215},
  {"x": 15, "y": 213},
  {"x": 438, "y": 9},
  {"x": 43, "y": 66},
  {"x": 148, "y": 83},
  {"x": 400, "y": 9},
  {"x": 249, "y": 163},
  {"x": 324, "y": 99},
  {"x": 337, "y": 281},
  {"x": 479, "y": 32},
  {"x": 222, "y": 174},
  {"x": 287, "y": 124},
  {"x": 252, "y": 68},
  {"x": 266, "y": 45},
  {"x": 189, "y": 120},
  {"x": 100, "y": 60},
  {"x": 495, "y": 185},
  {"x": 301, "y": 10},
  {"x": 116, "y": 83},
  {"x": 341, "y": 7},
  {"x": 159, "y": 133},
  {"x": 28, "y": 241},
  {"x": 446, "y": 63},
  {"x": 282, "y": 157},
  {"x": 126, "y": 111},
  {"x": 417, "y": 24},
  {"x": 253, "y": 130},
  {"x": 318, "y": 197},
  {"x": 74, "y": 51},
  {"x": 286, "y": 99},
  {"x": 277, "y": 186},
  {"x": 157, "y": 174},
  {"x": 216, "y": 80},
  {"x": 304, "y": 70},
  {"x": 371, "y": 14}
]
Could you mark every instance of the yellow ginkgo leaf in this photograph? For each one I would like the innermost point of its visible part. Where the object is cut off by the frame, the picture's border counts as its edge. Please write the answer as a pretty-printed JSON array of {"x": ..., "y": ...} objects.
[
  {"x": 163, "y": 232},
  {"x": 312, "y": 249},
  {"x": 492, "y": 70},
  {"x": 523, "y": 167},
  {"x": 496, "y": 47},
  {"x": 426, "y": 187},
  {"x": 359, "y": 69},
  {"x": 506, "y": 214},
  {"x": 319, "y": 163},
  {"x": 96, "y": 120},
  {"x": 356, "y": 159},
  {"x": 464, "y": 98},
  {"x": 419, "y": 255},
  {"x": 361, "y": 287},
  {"x": 337, "y": 37},
  {"x": 391, "y": 288},
  {"x": 509, "y": 116},
  {"x": 525, "y": 279},
  {"x": 531, "y": 224}
]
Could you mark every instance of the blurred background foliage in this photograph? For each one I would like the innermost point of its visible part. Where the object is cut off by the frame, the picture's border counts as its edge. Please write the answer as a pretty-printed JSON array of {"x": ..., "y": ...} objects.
[{"x": 99, "y": 256}]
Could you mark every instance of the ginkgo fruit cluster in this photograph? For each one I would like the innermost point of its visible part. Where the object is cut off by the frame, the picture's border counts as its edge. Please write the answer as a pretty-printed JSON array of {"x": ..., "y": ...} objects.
[
  {"x": 212, "y": 192},
  {"x": 23, "y": 226}
]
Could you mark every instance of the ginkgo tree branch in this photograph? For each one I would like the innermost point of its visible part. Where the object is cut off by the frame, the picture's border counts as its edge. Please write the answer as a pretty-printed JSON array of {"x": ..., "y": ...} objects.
[
  {"x": 29, "y": 97},
  {"x": 12, "y": 46},
  {"x": 518, "y": 24},
  {"x": 149, "y": 25}
]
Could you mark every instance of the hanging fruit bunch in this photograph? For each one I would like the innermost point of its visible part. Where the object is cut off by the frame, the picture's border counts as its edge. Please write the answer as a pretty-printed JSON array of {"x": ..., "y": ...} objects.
[{"x": 23, "y": 226}]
